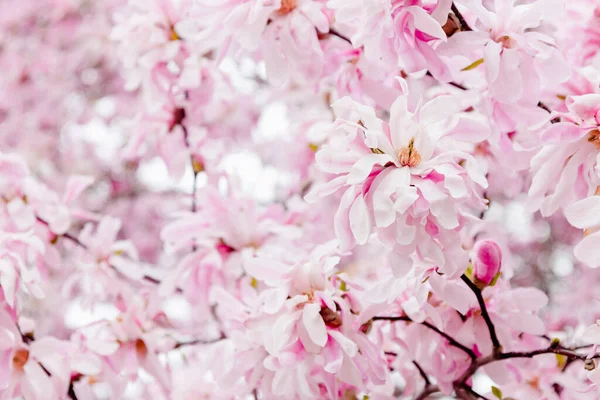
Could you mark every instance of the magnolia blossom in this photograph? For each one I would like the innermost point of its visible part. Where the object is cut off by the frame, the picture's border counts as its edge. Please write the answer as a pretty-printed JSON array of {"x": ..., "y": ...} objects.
[
  {"x": 388, "y": 29},
  {"x": 398, "y": 185},
  {"x": 569, "y": 158},
  {"x": 299, "y": 199},
  {"x": 518, "y": 57}
]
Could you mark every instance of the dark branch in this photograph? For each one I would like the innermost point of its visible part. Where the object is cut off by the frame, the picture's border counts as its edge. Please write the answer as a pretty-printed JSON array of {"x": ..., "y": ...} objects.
[
  {"x": 484, "y": 313},
  {"x": 449, "y": 338},
  {"x": 198, "y": 341},
  {"x": 333, "y": 32},
  {"x": 429, "y": 390},
  {"x": 570, "y": 354},
  {"x": 463, "y": 24},
  {"x": 474, "y": 393},
  {"x": 423, "y": 374}
]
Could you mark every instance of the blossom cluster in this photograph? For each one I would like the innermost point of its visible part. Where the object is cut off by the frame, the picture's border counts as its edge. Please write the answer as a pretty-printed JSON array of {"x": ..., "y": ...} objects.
[{"x": 299, "y": 199}]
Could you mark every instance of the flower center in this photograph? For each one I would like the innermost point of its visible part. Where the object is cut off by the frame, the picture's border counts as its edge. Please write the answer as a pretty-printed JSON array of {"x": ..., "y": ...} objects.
[
  {"x": 20, "y": 359},
  {"x": 331, "y": 318},
  {"x": 173, "y": 36},
  {"x": 287, "y": 6},
  {"x": 409, "y": 156},
  {"x": 594, "y": 137},
  {"x": 140, "y": 348},
  {"x": 506, "y": 41}
]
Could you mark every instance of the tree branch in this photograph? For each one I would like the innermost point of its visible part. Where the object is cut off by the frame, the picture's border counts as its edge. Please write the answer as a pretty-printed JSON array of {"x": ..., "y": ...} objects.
[
  {"x": 463, "y": 24},
  {"x": 470, "y": 390},
  {"x": 570, "y": 354},
  {"x": 423, "y": 374},
  {"x": 333, "y": 32},
  {"x": 449, "y": 338},
  {"x": 484, "y": 313},
  {"x": 76, "y": 241},
  {"x": 429, "y": 390},
  {"x": 197, "y": 341}
]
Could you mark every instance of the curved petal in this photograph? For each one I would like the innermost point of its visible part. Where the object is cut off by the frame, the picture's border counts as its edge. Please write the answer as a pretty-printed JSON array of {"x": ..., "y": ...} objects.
[
  {"x": 584, "y": 213},
  {"x": 588, "y": 250},
  {"x": 314, "y": 324},
  {"x": 360, "y": 220}
]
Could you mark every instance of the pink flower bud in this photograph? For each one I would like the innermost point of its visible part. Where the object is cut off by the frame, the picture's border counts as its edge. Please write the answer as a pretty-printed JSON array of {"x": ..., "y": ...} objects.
[{"x": 487, "y": 260}]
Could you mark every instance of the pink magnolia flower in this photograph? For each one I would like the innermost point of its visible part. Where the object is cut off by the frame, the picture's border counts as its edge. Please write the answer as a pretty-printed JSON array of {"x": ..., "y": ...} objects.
[
  {"x": 230, "y": 223},
  {"x": 310, "y": 317},
  {"x": 564, "y": 168},
  {"x": 195, "y": 275},
  {"x": 16, "y": 253},
  {"x": 397, "y": 32},
  {"x": 513, "y": 311},
  {"x": 34, "y": 371},
  {"x": 56, "y": 211},
  {"x": 399, "y": 184},
  {"x": 139, "y": 287},
  {"x": 147, "y": 38},
  {"x": 104, "y": 264},
  {"x": 351, "y": 74},
  {"x": 291, "y": 48},
  {"x": 519, "y": 58},
  {"x": 285, "y": 30},
  {"x": 130, "y": 343}
]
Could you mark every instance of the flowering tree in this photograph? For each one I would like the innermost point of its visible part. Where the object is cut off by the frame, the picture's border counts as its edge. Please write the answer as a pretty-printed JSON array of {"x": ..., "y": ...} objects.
[{"x": 299, "y": 199}]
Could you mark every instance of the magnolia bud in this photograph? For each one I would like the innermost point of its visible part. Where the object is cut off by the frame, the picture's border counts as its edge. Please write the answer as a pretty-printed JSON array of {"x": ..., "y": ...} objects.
[{"x": 487, "y": 260}]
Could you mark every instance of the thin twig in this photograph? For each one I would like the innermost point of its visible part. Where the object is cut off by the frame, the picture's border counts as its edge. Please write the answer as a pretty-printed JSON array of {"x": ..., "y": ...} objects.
[
  {"x": 570, "y": 354},
  {"x": 484, "y": 313},
  {"x": 76, "y": 241},
  {"x": 423, "y": 374},
  {"x": 333, "y": 32},
  {"x": 427, "y": 392},
  {"x": 449, "y": 338},
  {"x": 543, "y": 106},
  {"x": 198, "y": 341},
  {"x": 463, "y": 24},
  {"x": 474, "y": 393}
]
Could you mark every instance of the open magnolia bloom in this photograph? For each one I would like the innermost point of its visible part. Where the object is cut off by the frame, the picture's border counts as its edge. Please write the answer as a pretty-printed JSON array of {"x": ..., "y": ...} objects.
[
  {"x": 299, "y": 199},
  {"x": 399, "y": 184},
  {"x": 510, "y": 42},
  {"x": 565, "y": 170}
]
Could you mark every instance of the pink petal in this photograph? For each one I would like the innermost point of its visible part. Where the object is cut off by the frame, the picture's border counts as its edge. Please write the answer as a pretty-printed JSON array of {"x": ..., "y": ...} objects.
[
  {"x": 584, "y": 213},
  {"x": 563, "y": 132},
  {"x": 360, "y": 220},
  {"x": 588, "y": 250},
  {"x": 314, "y": 324}
]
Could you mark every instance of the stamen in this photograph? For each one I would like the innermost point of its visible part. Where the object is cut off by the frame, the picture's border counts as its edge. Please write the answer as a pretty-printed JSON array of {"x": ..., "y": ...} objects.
[
  {"x": 20, "y": 359},
  {"x": 287, "y": 6},
  {"x": 594, "y": 137},
  {"x": 409, "y": 156}
]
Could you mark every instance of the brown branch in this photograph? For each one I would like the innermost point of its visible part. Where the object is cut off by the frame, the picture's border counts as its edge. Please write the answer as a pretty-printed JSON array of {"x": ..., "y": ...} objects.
[
  {"x": 449, "y": 338},
  {"x": 570, "y": 354},
  {"x": 427, "y": 392},
  {"x": 473, "y": 393},
  {"x": 333, "y": 32},
  {"x": 543, "y": 106},
  {"x": 423, "y": 374},
  {"x": 76, "y": 241},
  {"x": 198, "y": 341},
  {"x": 484, "y": 313},
  {"x": 463, "y": 24}
]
